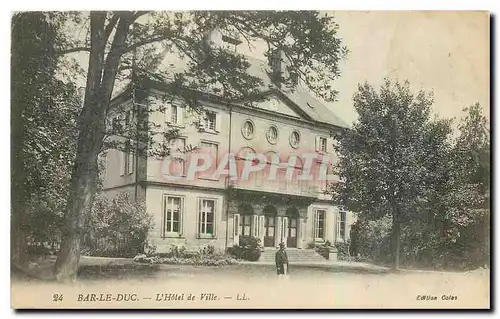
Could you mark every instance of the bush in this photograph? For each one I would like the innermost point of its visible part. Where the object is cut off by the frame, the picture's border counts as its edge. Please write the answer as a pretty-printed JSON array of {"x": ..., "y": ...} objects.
[
  {"x": 207, "y": 256},
  {"x": 249, "y": 249},
  {"x": 323, "y": 249},
  {"x": 342, "y": 250},
  {"x": 117, "y": 228}
]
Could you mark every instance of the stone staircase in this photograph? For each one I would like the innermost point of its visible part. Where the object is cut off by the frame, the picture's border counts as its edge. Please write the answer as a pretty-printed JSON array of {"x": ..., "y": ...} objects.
[{"x": 294, "y": 255}]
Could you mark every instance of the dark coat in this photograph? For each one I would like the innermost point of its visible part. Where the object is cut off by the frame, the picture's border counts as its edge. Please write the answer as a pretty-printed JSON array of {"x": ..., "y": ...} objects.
[{"x": 281, "y": 258}]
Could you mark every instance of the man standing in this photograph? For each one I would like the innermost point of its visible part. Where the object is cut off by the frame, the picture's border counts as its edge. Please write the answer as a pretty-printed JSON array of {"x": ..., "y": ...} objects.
[{"x": 281, "y": 260}]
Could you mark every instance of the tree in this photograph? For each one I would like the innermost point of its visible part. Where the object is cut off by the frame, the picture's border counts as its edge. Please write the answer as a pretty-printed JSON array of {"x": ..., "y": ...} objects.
[
  {"x": 392, "y": 159},
  {"x": 115, "y": 41},
  {"x": 43, "y": 129}
]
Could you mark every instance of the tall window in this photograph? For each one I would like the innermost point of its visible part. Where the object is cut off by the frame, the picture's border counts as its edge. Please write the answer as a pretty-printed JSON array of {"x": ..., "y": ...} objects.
[
  {"x": 210, "y": 118},
  {"x": 177, "y": 158},
  {"x": 127, "y": 159},
  {"x": 319, "y": 231},
  {"x": 341, "y": 225},
  {"x": 212, "y": 149},
  {"x": 171, "y": 221},
  {"x": 206, "y": 219},
  {"x": 173, "y": 114},
  {"x": 246, "y": 224},
  {"x": 322, "y": 144}
]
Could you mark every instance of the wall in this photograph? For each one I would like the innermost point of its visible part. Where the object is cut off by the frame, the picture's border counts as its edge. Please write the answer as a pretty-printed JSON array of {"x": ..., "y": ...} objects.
[{"x": 188, "y": 238}]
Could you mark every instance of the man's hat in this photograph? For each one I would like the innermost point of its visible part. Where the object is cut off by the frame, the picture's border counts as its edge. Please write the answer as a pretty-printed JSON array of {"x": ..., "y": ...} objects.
[{"x": 282, "y": 244}]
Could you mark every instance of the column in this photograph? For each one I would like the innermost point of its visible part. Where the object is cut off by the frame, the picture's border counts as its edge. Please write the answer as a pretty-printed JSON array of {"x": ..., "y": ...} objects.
[
  {"x": 277, "y": 236},
  {"x": 284, "y": 230},
  {"x": 261, "y": 229},
  {"x": 330, "y": 225},
  {"x": 236, "y": 228},
  {"x": 301, "y": 229}
]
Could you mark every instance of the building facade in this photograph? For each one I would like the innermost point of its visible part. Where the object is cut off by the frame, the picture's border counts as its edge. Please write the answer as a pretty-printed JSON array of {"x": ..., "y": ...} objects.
[{"x": 269, "y": 144}]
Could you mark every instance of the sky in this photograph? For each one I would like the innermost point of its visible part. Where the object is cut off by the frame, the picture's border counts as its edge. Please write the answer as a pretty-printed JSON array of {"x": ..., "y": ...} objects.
[
  {"x": 443, "y": 52},
  {"x": 446, "y": 52}
]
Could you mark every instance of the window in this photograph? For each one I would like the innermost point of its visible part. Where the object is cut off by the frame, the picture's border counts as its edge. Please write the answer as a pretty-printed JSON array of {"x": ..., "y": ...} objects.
[
  {"x": 172, "y": 213},
  {"x": 206, "y": 217},
  {"x": 246, "y": 224},
  {"x": 322, "y": 144},
  {"x": 127, "y": 159},
  {"x": 210, "y": 120},
  {"x": 248, "y": 129},
  {"x": 319, "y": 231},
  {"x": 211, "y": 149},
  {"x": 272, "y": 134},
  {"x": 341, "y": 225},
  {"x": 116, "y": 125},
  {"x": 295, "y": 139},
  {"x": 177, "y": 156},
  {"x": 173, "y": 114}
]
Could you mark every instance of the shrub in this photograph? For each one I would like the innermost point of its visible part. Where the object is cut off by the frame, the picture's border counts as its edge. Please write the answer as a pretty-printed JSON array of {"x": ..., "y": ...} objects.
[
  {"x": 249, "y": 249},
  {"x": 207, "y": 256},
  {"x": 342, "y": 250},
  {"x": 321, "y": 248},
  {"x": 117, "y": 228}
]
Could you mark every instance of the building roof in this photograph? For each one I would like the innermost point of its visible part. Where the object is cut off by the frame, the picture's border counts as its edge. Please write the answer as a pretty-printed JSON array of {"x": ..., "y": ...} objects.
[{"x": 300, "y": 96}]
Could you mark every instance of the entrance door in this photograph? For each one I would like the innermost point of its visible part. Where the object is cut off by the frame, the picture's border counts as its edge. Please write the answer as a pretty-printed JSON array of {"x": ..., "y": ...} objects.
[
  {"x": 291, "y": 240},
  {"x": 269, "y": 228}
]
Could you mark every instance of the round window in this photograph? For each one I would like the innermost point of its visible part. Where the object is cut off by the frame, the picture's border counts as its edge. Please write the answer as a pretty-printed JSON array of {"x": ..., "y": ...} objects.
[
  {"x": 248, "y": 129},
  {"x": 272, "y": 134},
  {"x": 295, "y": 139}
]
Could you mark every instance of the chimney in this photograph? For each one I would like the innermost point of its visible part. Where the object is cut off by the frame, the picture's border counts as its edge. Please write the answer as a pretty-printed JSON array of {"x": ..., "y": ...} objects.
[
  {"x": 279, "y": 66},
  {"x": 212, "y": 38},
  {"x": 216, "y": 39}
]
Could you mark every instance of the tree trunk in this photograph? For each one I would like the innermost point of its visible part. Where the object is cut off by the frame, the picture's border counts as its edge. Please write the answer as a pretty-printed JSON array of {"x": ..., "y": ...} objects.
[
  {"x": 84, "y": 178},
  {"x": 396, "y": 242},
  {"x": 100, "y": 82}
]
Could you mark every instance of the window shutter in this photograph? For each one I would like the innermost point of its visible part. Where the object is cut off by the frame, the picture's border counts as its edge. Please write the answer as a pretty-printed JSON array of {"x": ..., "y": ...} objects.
[
  {"x": 261, "y": 225},
  {"x": 317, "y": 144},
  {"x": 255, "y": 225},
  {"x": 180, "y": 115},
  {"x": 236, "y": 222},
  {"x": 201, "y": 121},
  {"x": 315, "y": 222},
  {"x": 285, "y": 227},
  {"x": 122, "y": 162},
  {"x": 168, "y": 113},
  {"x": 163, "y": 217},
  {"x": 181, "y": 216},
  {"x": 215, "y": 218},
  {"x": 217, "y": 122},
  {"x": 130, "y": 158}
]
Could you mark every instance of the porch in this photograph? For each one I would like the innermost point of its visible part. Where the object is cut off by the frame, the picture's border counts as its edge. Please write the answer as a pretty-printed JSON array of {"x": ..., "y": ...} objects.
[{"x": 274, "y": 219}]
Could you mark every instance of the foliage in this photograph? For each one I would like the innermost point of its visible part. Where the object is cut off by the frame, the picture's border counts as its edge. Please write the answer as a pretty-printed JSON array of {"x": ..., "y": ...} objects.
[
  {"x": 117, "y": 227},
  {"x": 321, "y": 248},
  {"x": 370, "y": 239},
  {"x": 450, "y": 229},
  {"x": 206, "y": 256},
  {"x": 44, "y": 108},
  {"x": 249, "y": 248},
  {"x": 391, "y": 161},
  {"x": 343, "y": 252}
]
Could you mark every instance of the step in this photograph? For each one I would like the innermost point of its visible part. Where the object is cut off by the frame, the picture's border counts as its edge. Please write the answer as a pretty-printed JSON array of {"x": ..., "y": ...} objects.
[{"x": 294, "y": 255}]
